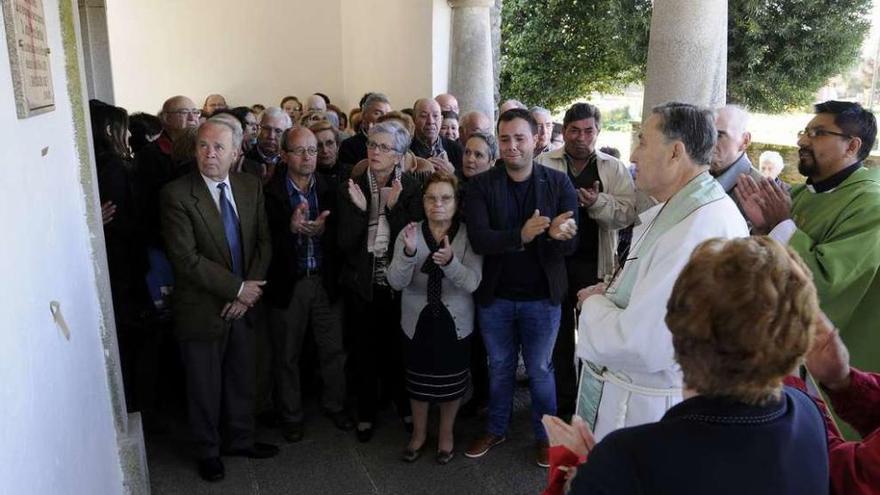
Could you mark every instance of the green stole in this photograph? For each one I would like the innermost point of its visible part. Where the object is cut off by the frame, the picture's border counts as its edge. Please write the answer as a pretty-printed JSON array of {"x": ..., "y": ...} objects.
[{"x": 698, "y": 192}]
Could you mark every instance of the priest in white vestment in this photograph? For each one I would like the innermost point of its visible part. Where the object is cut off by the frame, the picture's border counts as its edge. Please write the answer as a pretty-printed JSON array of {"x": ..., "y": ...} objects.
[{"x": 630, "y": 376}]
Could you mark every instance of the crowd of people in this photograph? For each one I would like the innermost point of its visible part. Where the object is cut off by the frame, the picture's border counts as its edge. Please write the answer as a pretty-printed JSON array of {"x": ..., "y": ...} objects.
[{"x": 679, "y": 316}]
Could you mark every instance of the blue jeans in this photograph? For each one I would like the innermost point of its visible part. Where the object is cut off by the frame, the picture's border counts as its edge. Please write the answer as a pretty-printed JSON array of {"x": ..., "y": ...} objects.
[{"x": 506, "y": 325}]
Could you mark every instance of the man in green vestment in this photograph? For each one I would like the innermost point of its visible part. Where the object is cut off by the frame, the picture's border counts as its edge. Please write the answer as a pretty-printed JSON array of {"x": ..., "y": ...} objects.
[{"x": 833, "y": 221}]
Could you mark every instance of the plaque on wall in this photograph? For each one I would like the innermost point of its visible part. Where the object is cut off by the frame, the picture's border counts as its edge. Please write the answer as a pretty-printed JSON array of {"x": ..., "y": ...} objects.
[{"x": 28, "y": 56}]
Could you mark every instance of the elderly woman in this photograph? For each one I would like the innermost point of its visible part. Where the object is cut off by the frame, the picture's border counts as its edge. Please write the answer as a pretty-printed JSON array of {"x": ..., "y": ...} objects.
[
  {"x": 373, "y": 209},
  {"x": 480, "y": 153},
  {"x": 771, "y": 164},
  {"x": 419, "y": 168},
  {"x": 742, "y": 315},
  {"x": 437, "y": 270}
]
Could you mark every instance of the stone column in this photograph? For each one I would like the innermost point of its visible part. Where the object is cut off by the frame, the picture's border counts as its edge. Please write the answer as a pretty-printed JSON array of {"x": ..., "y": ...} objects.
[
  {"x": 96, "y": 49},
  {"x": 687, "y": 53},
  {"x": 471, "y": 77}
]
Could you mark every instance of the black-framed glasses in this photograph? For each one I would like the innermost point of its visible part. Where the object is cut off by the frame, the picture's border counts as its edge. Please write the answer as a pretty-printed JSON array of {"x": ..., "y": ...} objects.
[
  {"x": 814, "y": 133},
  {"x": 384, "y": 148}
]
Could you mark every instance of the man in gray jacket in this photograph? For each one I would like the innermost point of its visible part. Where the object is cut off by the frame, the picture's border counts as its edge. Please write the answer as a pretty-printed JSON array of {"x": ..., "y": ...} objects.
[{"x": 607, "y": 201}]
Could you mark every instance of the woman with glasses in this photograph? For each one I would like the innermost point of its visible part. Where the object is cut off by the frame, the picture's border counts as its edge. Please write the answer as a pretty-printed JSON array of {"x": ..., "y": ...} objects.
[
  {"x": 373, "y": 209},
  {"x": 437, "y": 270}
]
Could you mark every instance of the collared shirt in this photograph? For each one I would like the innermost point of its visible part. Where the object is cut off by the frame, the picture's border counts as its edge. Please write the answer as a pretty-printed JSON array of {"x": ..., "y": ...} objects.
[
  {"x": 272, "y": 160},
  {"x": 308, "y": 259},
  {"x": 215, "y": 191},
  {"x": 728, "y": 178},
  {"x": 215, "y": 195},
  {"x": 786, "y": 228},
  {"x": 423, "y": 150},
  {"x": 833, "y": 181},
  {"x": 588, "y": 229}
]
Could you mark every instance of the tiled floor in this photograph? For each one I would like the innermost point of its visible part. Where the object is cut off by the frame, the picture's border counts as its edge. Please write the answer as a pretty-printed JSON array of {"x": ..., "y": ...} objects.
[{"x": 329, "y": 461}]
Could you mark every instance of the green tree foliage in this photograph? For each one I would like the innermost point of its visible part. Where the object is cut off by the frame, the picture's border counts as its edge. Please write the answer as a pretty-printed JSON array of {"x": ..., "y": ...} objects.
[
  {"x": 779, "y": 51},
  {"x": 554, "y": 51}
]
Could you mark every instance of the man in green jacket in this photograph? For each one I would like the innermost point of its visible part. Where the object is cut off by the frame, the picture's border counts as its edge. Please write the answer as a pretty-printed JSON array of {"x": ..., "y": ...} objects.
[
  {"x": 833, "y": 221},
  {"x": 217, "y": 239}
]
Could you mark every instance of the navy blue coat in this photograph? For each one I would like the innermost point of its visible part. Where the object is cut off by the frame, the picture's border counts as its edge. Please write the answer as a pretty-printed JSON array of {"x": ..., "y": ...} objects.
[
  {"x": 715, "y": 446},
  {"x": 485, "y": 212}
]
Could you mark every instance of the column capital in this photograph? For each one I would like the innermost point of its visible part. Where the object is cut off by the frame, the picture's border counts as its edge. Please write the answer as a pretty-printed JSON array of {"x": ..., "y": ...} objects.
[{"x": 470, "y": 3}]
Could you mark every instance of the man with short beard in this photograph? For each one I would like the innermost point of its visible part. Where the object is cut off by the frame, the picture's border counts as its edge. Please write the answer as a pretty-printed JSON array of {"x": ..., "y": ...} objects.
[
  {"x": 267, "y": 152},
  {"x": 833, "y": 221}
]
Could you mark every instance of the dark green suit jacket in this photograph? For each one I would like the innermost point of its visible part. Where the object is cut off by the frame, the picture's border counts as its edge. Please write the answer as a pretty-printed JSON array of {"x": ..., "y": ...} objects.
[{"x": 196, "y": 245}]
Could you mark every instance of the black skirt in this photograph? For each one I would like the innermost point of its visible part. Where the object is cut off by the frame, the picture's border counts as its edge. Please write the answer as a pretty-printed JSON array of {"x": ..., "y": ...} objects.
[{"x": 437, "y": 362}]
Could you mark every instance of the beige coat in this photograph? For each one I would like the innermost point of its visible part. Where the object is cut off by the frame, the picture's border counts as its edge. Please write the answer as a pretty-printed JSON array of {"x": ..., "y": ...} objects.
[{"x": 614, "y": 209}]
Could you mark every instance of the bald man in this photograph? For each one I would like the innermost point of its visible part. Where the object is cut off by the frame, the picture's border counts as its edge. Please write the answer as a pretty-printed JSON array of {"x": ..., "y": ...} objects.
[
  {"x": 302, "y": 289},
  {"x": 427, "y": 142},
  {"x": 447, "y": 102},
  {"x": 212, "y": 104},
  {"x": 472, "y": 122},
  {"x": 730, "y": 160},
  {"x": 509, "y": 105},
  {"x": 316, "y": 103},
  {"x": 154, "y": 166}
]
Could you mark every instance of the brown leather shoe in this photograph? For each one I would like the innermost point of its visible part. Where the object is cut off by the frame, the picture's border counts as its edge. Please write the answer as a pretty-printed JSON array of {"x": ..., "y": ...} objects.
[
  {"x": 482, "y": 445},
  {"x": 542, "y": 453}
]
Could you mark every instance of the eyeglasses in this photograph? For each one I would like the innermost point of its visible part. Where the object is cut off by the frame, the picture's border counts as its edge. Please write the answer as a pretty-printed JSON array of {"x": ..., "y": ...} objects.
[
  {"x": 445, "y": 199},
  {"x": 302, "y": 151},
  {"x": 384, "y": 148},
  {"x": 814, "y": 133},
  {"x": 274, "y": 130},
  {"x": 187, "y": 111}
]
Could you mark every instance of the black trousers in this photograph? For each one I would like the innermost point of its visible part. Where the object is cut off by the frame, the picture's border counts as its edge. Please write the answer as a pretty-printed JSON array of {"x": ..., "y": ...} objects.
[
  {"x": 220, "y": 385},
  {"x": 377, "y": 355},
  {"x": 580, "y": 274},
  {"x": 479, "y": 367}
]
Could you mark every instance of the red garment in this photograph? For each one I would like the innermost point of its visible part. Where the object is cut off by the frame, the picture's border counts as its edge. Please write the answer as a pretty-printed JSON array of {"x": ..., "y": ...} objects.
[
  {"x": 854, "y": 466},
  {"x": 560, "y": 456}
]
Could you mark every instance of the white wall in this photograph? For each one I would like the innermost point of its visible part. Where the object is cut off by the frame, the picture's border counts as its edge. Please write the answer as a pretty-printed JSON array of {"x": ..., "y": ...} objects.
[
  {"x": 268, "y": 49},
  {"x": 441, "y": 46},
  {"x": 56, "y": 426},
  {"x": 251, "y": 52},
  {"x": 387, "y": 47}
]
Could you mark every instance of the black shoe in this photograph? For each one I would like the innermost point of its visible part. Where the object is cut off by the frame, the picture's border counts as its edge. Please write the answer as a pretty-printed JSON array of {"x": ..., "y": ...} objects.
[
  {"x": 364, "y": 435},
  {"x": 292, "y": 432},
  {"x": 211, "y": 469},
  {"x": 341, "y": 420},
  {"x": 444, "y": 457},
  {"x": 410, "y": 455},
  {"x": 268, "y": 418},
  {"x": 257, "y": 451}
]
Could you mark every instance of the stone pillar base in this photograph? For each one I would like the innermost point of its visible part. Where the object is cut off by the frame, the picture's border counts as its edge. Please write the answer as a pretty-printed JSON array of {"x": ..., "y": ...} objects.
[{"x": 133, "y": 458}]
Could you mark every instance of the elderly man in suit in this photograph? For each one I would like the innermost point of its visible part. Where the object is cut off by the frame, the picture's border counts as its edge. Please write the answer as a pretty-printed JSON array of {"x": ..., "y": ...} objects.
[{"x": 217, "y": 237}]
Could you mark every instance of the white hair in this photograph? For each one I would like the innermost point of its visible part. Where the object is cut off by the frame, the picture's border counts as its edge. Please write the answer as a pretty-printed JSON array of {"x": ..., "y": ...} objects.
[
  {"x": 774, "y": 158},
  {"x": 273, "y": 112},
  {"x": 738, "y": 118}
]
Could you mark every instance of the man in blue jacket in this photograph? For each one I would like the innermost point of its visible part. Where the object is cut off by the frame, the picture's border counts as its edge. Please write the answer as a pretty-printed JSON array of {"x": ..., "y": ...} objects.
[{"x": 521, "y": 217}]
